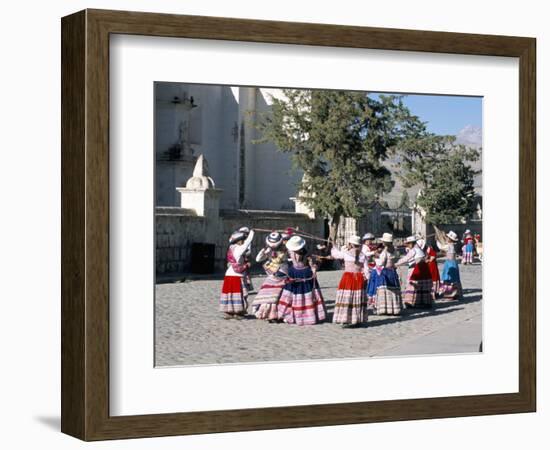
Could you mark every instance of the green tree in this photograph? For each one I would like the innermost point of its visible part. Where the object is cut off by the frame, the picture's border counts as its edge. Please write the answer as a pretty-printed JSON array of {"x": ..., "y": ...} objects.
[
  {"x": 339, "y": 139},
  {"x": 443, "y": 171}
]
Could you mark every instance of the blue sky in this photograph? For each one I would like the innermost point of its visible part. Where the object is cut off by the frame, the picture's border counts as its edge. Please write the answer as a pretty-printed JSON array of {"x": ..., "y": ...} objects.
[{"x": 445, "y": 114}]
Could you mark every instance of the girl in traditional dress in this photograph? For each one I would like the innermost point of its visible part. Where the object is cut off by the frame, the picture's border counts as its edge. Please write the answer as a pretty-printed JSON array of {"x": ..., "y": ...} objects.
[
  {"x": 350, "y": 309},
  {"x": 368, "y": 250},
  {"x": 479, "y": 247},
  {"x": 418, "y": 293},
  {"x": 468, "y": 248},
  {"x": 276, "y": 268},
  {"x": 301, "y": 301},
  {"x": 451, "y": 287},
  {"x": 247, "y": 256},
  {"x": 431, "y": 260},
  {"x": 286, "y": 235},
  {"x": 233, "y": 300},
  {"x": 386, "y": 285}
]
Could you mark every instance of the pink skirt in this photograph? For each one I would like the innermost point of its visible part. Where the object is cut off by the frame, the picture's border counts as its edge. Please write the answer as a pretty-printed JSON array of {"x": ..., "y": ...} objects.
[{"x": 264, "y": 305}]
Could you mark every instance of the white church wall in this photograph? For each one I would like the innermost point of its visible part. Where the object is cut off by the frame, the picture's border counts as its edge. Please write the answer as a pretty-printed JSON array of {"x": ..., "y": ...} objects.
[
  {"x": 209, "y": 131},
  {"x": 219, "y": 109},
  {"x": 172, "y": 165},
  {"x": 246, "y": 156},
  {"x": 219, "y": 126},
  {"x": 275, "y": 182}
]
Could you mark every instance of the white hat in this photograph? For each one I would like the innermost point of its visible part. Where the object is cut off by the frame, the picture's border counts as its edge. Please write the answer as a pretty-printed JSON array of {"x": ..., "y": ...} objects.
[
  {"x": 387, "y": 237},
  {"x": 273, "y": 239},
  {"x": 354, "y": 240},
  {"x": 368, "y": 236},
  {"x": 467, "y": 231},
  {"x": 236, "y": 237},
  {"x": 296, "y": 243},
  {"x": 421, "y": 243},
  {"x": 452, "y": 235},
  {"x": 410, "y": 239},
  {"x": 244, "y": 230}
]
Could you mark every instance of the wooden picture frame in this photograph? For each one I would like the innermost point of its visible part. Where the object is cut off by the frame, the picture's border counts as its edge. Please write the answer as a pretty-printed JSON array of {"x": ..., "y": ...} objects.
[{"x": 85, "y": 224}]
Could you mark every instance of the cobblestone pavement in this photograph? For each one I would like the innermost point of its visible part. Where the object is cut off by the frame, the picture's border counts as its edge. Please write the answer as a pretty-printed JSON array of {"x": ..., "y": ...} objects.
[{"x": 190, "y": 330}]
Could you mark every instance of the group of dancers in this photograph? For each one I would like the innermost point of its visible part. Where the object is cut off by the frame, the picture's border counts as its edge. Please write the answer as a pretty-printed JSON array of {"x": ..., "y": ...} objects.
[{"x": 290, "y": 293}]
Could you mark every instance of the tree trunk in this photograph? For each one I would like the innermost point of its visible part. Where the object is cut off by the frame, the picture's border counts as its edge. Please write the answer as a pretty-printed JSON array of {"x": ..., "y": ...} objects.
[{"x": 333, "y": 228}]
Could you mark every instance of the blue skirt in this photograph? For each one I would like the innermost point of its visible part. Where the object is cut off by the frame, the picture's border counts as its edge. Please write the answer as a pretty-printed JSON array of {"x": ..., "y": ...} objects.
[
  {"x": 387, "y": 277},
  {"x": 450, "y": 273}
]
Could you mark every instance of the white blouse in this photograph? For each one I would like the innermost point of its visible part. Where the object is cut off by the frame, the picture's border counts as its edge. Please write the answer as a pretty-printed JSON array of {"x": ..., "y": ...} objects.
[
  {"x": 413, "y": 256},
  {"x": 386, "y": 259},
  {"x": 349, "y": 259},
  {"x": 238, "y": 251}
]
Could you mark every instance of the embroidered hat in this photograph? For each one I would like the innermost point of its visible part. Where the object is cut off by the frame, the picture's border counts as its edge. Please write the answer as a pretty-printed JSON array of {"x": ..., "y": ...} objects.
[
  {"x": 274, "y": 239},
  {"x": 410, "y": 239},
  {"x": 452, "y": 235},
  {"x": 354, "y": 240},
  {"x": 368, "y": 236},
  {"x": 236, "y": 237},
  {"x": 387, "y": 237},
  {"x": 296, "y": 243}
]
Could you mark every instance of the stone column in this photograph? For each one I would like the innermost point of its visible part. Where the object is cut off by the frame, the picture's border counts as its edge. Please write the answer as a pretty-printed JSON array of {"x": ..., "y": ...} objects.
[{"x": 201, "y": 196}]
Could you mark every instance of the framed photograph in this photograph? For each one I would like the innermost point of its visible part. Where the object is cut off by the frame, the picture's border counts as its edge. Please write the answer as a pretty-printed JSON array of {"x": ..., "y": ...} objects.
[{"x": 273, "y": 225}]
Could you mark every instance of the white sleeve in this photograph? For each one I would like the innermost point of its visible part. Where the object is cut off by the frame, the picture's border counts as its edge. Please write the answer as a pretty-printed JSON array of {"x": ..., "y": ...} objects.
[
  {"x": 336, "y": 254},
  {"x": 381, "y": 261},
  {"x": 240, "y": 249},
  {"x": 262, "y": 255},
  {"x": 407, "y": 258}
]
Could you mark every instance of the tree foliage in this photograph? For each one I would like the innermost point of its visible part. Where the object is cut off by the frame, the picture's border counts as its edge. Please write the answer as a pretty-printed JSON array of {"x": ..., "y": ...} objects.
[
  {"x": 340, "y": 140},
  {"x": 443, "y": 171}
]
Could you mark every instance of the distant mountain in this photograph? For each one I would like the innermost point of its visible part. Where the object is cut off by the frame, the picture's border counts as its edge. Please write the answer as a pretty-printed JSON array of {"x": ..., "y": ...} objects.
[{"x": 470, "y": 135}]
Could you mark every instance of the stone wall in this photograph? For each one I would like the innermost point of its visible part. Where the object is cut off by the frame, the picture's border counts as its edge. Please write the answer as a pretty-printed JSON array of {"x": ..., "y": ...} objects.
[
  {"x": 177, "y": 229},
  {"x": 475, "y": 226},
  {"x": 459, "y": 228},
  {"x": 421, "y": 228},
  {"x": 377, "y": 220}
]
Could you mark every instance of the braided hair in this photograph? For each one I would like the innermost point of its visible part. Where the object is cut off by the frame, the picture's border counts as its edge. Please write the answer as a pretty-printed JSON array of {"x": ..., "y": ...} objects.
[
  {"x": 357, "y": 254},
  {"x": 301, "y": 254}
]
